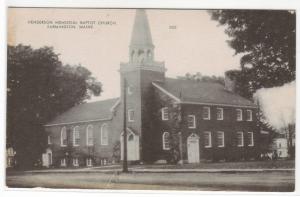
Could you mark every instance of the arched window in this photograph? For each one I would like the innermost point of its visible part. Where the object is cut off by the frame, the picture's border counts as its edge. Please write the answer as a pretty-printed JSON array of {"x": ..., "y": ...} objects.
[
  {"x": 76, "y": 136},
  {"x": 166, "y": 141},
  {"x": 104, "y": 134},
  {"x": 63, "y": 137},
  {"x": 130, "y": 137},
  {"x": 89, "y": 135}
]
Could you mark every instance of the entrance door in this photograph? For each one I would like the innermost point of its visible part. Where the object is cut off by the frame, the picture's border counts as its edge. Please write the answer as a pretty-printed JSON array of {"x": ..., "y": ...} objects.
[
  {"x": 47, "y": 158},
  {"x": 193, "y": 149},
  {"x": 133, "y": 153}
]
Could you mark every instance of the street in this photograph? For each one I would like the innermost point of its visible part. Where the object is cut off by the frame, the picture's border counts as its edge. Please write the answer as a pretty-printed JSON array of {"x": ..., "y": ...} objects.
[{"x": 226, "y": 181}]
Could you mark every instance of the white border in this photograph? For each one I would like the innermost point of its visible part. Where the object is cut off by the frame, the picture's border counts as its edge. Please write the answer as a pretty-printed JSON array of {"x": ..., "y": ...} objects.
[{"x": 229, "y": 4}]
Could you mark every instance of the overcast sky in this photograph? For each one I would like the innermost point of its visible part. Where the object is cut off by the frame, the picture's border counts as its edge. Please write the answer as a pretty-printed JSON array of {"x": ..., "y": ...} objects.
[{"x": 197, "y": 44}]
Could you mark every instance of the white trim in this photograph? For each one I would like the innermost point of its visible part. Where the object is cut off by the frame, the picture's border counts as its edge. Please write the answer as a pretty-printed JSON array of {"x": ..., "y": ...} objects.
[
  {"x": 61, "y": 139},
  {"x": 163, "y": 113},
  {"x": 206, "y": 118},
  {"x": 74, "y": 141},
  {"x": 89, "y": 162},
  {"x": 194, "y": 121},
  {"x": 115, "y": 105},
  {"x": 164, "y": 142},
  {"x": 223, "y": 139},
  {"x": 130, "y": 119},
  {"x": 63, "y": 162},
  {"x": 252, "y": 139},
  {"x": 87, "y": 135},
  {"x": 101, "y": 134},
  {"x": 242, "y": 135},
  {"x": 209, "y": 139},
  {"x": 237, "y": 117},
  {"x": 217, "y": 104},
  {"x": 222, "y": 113},
  {"x": 75, "y": 161},
  {"x": 49, "y": 140},
  {"x": 250, "y": 119},
  {"x": 83, "y": 121},
  {"x": 166, "y": 92}
]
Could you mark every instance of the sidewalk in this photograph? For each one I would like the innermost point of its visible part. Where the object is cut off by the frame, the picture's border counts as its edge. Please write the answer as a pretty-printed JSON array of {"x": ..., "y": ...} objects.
[{"x": 157, "y": 170}]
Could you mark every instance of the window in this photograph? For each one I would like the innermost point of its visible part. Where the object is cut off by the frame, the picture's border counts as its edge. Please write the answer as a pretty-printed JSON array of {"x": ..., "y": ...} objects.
[
  {"x": 239, "y": 115},
  {"x": 75, "y": 162},
  {"x": 104, "y": 135},
  {"x": 164, "y": 113},
  {"x": 89, "y": 162},
  {"x": 166, "y": 141},
  {"x": 219, "y": 113},
  {"x": 220, "y": 139},
  {"x": 63, "y": 162},
  {"x": 249, "y": 115},
  {"x": 206, "y": 113},
  {"x": 250, "y": 139},
  {"x": 63, "y": 137},
  {"x": 89, "y": 135},
  {"x": 240, "y": 139},
  {"x": 49, "y": 139},
  {"x": 207, "y": 139},
  {"x": 76, "y": 136},
  {"x": 191, "y": 121},
  {"x": 130, "y": 115},
  {"x": 129, "y": 90}
]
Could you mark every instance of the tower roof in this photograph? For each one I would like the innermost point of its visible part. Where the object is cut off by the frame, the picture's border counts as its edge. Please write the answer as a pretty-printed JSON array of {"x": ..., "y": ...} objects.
[{"x": 141, "y": 34}]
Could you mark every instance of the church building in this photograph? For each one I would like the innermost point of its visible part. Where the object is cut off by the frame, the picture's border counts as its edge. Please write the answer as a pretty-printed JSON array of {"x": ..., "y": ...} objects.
[{"x": 170, "y": 120}]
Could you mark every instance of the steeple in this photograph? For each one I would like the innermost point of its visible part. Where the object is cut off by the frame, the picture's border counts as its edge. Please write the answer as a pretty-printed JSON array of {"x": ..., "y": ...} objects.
[
  {"x": 141, "y": 48},
  {"x": 141, "y": 34}
]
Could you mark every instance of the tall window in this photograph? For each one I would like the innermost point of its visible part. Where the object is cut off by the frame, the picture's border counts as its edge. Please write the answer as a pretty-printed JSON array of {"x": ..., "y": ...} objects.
[
  {"x": 206, "y": 113},
  {"x": 75, "y": 161},
  {"x": 166, "y": 141},
  {"x": 63, "y": 137},
  {"x": 250, "y": 139},
  {"x": 219, "y": 113},
  {"x": 76, "y": 136},
  {"x": 240, "y": 139},
  {"x": 164, "y": 113},
  {"x": 207, "y": 139},
  {"x": 89, "y": 162},
  {"x": 220, "y": 139},
  {"x": 130, "y": 115},
  {"x": 63, "y": 162},
  {"x": 191, "y": 121},
  {"x": 249, "y": 115},
  {"x": 89, "y": 135},
  {"x": 104, "y": 135},
  {"x": 49, "y": 139},
  {"x": 239, "y": 115}
]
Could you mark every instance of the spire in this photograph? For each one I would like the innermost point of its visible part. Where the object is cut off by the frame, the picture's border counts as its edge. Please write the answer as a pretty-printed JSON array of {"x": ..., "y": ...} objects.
[{"x": 141, "y": 34}]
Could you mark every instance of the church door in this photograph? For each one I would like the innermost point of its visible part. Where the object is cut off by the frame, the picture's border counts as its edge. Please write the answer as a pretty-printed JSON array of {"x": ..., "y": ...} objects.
[
  {"x": 193, "y": 149},
  {"x": 133, "y": 153}
]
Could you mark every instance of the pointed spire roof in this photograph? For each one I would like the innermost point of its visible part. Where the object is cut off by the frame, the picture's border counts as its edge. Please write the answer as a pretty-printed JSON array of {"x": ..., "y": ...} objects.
[{"x": 141, "y": 34}]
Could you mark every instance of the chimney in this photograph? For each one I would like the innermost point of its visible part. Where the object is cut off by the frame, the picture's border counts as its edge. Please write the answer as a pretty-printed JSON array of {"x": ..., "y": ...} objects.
[{"x": 230, "y": 80}]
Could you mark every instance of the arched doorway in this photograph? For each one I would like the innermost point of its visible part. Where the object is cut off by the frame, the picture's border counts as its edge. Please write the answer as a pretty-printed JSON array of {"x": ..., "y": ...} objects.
[
  {"x": 193, "y": 148},
  {"x": 133, "y": 149}
]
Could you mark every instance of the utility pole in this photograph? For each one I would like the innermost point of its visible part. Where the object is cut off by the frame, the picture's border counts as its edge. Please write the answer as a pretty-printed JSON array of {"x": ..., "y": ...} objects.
[{"x": 125, "y": 166}]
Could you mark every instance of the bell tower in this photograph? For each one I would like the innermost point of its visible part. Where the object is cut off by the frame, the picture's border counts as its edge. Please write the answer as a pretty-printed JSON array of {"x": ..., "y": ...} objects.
[{"x": 140, "y": 71}]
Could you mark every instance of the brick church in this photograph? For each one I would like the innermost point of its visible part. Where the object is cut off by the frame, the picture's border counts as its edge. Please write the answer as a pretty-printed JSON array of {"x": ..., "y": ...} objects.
[{"x": 168, "y": 120}]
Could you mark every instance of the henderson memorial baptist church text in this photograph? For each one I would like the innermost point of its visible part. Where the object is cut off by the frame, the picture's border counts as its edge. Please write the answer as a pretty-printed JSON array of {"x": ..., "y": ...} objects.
[{"x": 167, "y": 119}]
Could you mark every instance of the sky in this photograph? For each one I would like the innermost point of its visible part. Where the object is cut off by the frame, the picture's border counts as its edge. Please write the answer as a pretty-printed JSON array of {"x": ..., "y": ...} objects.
[
  {"x": 196, "y": 44},
  {"x": 186, "y": 40}
]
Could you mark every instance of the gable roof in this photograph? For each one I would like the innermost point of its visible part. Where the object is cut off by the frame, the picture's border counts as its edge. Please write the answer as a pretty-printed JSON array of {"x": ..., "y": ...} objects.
[
  {"x": 193, "y": 92},
  {"x": 99, "y": 110}
]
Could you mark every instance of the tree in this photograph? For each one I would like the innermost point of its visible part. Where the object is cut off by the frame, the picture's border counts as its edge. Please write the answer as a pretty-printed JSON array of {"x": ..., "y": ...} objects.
[
  {"x": 39, "y": 87},
  {"x": 267, "y": 41},
  {"x": 198, "y": 77}
]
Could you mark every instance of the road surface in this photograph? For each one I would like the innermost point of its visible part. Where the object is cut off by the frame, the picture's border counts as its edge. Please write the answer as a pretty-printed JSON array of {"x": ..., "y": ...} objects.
[{"x": 241, "y": 181}]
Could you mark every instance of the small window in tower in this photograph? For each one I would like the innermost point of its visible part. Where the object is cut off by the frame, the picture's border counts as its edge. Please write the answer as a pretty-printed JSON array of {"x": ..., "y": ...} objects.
[{"x": 130, "y": 115}]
